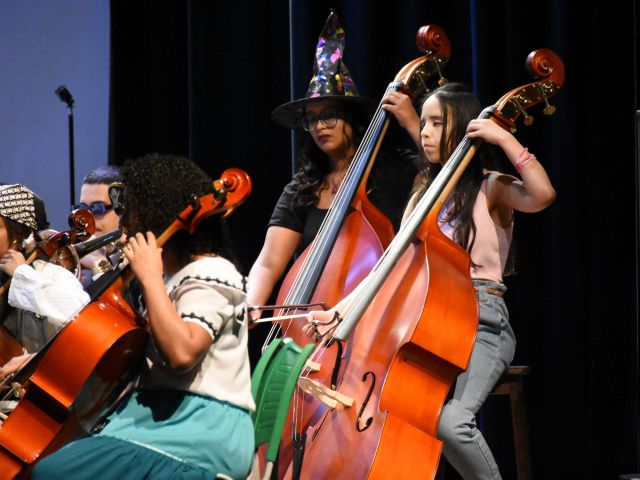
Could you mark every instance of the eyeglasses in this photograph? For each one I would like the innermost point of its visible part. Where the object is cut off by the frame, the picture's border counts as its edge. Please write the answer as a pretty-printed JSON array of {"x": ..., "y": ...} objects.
[
  {"x": 329, "y": 119},
  {"x": 96, "y": 208}
]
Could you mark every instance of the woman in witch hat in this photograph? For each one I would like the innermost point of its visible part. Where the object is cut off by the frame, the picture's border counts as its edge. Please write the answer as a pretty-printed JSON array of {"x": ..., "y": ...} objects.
[{"x": 335, "y": 119}]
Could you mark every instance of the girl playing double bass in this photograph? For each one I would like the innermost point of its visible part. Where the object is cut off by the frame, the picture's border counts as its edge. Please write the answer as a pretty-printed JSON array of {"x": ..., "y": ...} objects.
[
  {"x": 478, "y": 215},
  {"x": 189, "y": 416}
]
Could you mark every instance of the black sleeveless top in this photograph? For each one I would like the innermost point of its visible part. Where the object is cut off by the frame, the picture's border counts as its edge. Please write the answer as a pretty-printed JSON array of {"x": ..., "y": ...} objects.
[{"x": 389, "y": 188}]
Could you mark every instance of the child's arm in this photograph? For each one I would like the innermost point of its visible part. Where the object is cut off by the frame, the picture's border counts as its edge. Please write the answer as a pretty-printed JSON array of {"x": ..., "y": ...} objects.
[
  {"x": 181, "y": 343},
  {"x": 531, "y": 194},
  {"x": 401, "y": 106}
]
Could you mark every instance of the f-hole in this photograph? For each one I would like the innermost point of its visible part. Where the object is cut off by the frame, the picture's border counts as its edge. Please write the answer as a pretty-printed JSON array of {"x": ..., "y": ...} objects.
[{"x": 367, "y": 423}]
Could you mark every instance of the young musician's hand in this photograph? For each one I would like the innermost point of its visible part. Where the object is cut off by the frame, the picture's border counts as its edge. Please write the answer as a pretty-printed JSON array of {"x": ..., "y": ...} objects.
[
  {"x": 10, "y": 261},
  {"x": 401, "y": 106},
  {"x": 14, "y": 365},
  {"x": 488, "y": 131},
  {"x": 92, "y": 260},
  {"x": 145, "y": 257},
  {"x": 319, "y": 322}
]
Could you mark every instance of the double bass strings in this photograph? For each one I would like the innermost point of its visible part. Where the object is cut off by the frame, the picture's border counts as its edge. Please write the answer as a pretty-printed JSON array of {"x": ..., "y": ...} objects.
[{"x": 327, "y": 233}]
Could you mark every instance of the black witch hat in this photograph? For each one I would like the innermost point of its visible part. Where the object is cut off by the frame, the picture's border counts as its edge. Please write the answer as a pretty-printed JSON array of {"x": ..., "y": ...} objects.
[{"x": 331, "y": 79}]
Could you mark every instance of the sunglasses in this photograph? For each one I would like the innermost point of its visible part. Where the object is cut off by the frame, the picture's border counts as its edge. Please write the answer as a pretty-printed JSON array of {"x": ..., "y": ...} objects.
[{"x": 96, "y": 208}]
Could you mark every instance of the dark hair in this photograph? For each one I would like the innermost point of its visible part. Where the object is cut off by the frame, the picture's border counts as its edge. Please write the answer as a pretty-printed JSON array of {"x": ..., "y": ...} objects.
[
  {"x": 40, "y": 212},
  {"x": 459, "y": 107},
  {"x": 16, "y": 231},
  {"x": 157, "y": 188},
  {"x": 314, "y": 163},
  {"x": 103, "y": 175}
]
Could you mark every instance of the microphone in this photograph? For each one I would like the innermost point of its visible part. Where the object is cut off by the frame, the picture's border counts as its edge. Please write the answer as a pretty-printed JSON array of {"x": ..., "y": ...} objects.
[{"x": 64, "y": 95}]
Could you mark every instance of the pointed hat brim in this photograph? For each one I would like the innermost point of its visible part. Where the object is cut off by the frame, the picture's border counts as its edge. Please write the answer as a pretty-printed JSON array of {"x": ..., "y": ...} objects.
[{"x": 290, "y": 114}]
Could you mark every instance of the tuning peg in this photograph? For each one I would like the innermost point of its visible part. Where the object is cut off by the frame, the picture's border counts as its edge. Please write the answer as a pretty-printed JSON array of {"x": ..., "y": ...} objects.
[
  {"x": 441, "y": 81},
  {"x": 548, "y": 108},
  {"x": 528, "y": 119}
]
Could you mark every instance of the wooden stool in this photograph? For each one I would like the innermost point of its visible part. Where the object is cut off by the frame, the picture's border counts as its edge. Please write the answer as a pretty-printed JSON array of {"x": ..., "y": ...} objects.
[{"x": 511, "y": 384}]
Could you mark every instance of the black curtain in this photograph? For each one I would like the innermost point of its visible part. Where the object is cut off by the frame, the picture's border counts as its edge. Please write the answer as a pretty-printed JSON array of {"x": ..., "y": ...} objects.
[{"x": 200, "y": 79}]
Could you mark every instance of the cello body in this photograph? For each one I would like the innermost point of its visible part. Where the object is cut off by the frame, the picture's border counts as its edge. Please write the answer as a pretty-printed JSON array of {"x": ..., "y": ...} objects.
[
  {"x": 102, "y": 349},
  {"x": 404, "y": 358},
  {"x": 85, "y": 368}
]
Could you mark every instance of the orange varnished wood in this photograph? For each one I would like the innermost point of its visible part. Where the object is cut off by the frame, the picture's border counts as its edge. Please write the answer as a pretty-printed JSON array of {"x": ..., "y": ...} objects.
[
  {"x": 365, "y": 233},
  {"x": 394, "y": 341},
  {"x": 82, "y": 373},
  {"x": 356, "y": 251},
  {"x": 415, "y": 337}
]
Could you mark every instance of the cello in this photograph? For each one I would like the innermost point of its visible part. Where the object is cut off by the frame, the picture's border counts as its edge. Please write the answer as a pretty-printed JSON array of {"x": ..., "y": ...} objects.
[
  {"x": 354, "y": 232},
  {"x": 91, "y": 359},
  {"x": 56, "y": 248},
  {"x": 406, "y": 354}
]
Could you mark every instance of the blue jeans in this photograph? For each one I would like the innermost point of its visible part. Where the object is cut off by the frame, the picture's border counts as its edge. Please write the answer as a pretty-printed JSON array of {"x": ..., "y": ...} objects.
[{"x": 463, "y": 444}]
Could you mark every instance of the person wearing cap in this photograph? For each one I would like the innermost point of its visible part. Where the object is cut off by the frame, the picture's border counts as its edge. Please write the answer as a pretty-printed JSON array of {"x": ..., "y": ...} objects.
[
  {"x": 335, "y": 119},
  {"x": 40, "y": 299},
  {"x": 94, "y": 196}
]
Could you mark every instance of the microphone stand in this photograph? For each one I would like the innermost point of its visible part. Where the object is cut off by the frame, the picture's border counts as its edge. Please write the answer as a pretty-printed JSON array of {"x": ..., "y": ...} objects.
[{"x": 65, "y": 96}]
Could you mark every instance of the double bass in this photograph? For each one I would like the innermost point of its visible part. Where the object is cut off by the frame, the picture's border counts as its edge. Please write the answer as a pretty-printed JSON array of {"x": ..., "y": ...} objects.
[
  {"x": 354, "y": 232},
  {"x": 414, "y": 324},
  {"x": 95, "y": 355}
]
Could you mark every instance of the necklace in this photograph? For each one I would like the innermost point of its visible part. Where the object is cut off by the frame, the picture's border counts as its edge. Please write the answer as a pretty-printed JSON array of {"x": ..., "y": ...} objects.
[{"x": 335, "y": 185}]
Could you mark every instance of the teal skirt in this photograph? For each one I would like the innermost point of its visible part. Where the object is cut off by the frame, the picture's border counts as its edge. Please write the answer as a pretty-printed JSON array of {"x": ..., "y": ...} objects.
[{"x": 158, "y": 435}]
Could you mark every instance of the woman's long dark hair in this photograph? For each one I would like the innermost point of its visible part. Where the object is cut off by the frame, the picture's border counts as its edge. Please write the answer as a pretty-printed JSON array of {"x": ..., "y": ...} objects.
[
  {"x": 459, "y": 107},
  {"x": 158, "y": 188}
]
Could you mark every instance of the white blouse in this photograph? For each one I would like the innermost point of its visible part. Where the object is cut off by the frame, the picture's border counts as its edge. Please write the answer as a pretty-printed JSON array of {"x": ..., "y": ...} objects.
[
  {"x": 209, "y": 292},
  {"x": 48, "y": 290}
]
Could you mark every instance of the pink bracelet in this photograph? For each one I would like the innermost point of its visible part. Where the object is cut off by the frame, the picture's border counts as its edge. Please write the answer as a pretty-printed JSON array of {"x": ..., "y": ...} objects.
[{"x": 524, "y": 158}]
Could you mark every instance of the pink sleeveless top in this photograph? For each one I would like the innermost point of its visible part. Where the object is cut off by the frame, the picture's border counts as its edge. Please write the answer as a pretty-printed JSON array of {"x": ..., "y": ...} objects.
[{"x": 492, "y": 242}]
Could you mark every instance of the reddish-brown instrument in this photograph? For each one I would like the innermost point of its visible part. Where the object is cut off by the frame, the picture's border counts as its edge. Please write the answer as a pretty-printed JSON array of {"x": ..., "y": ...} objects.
[
  {"x": 418, "y": 330},
  {"x": 354, "y": 232},
  {"x": 9, "y": 346},
  {"x": 94, "y": 355},
  {"x": 82, "y": 226}
]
